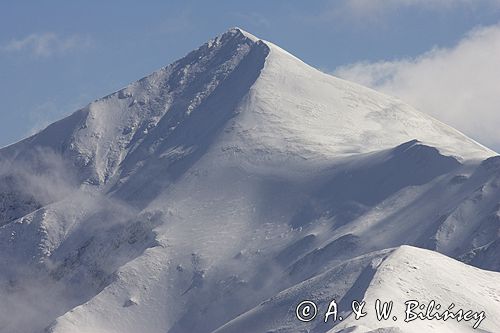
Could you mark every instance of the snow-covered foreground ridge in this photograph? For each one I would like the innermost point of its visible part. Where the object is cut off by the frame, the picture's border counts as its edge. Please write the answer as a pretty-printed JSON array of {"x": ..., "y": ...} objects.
[{"x": 218, "y": 192}]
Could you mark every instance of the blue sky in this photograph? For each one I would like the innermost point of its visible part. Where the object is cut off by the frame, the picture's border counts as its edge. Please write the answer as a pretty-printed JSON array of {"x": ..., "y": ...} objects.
[{"x": 56, "y": 56}]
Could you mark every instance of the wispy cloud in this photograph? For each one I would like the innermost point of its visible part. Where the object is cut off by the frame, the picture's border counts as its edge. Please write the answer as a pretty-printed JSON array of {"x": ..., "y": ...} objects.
[
  {"x": 47, "y": 44},
  {"x": 458, "y": 85},
  {"x": 364, "y": 5},
  {"x": 362, "y": 12}
]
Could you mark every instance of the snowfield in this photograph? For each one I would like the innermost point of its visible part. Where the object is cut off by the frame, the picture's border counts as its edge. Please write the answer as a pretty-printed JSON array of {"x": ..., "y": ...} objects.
[{"x": 217, "y": 193}]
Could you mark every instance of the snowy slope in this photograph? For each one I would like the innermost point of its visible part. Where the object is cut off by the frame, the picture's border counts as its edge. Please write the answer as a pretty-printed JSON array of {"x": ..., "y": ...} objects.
[
  {"x": 194, "y": 194},
  {"x": 397, "y": 275},
  {"x": 428, "y": 276},
  {"x": 318, "y": 114}
]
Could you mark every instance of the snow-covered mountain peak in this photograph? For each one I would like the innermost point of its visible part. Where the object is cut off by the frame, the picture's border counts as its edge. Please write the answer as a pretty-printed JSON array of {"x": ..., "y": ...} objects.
[
  {"x": 235, "y": 175},
  {"x": 274, "y": 107}
]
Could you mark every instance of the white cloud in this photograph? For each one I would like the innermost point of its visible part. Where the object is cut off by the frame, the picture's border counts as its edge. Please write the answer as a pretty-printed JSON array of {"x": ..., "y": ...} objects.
[
  {"x": 460, "y": 85},
  {"x": 47, "y": 44}
]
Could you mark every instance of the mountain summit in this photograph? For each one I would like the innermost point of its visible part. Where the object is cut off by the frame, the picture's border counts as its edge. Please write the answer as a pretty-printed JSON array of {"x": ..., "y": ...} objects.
[
  {"x": 249, "y": 96},
  {"x": 227, "y": 181}
]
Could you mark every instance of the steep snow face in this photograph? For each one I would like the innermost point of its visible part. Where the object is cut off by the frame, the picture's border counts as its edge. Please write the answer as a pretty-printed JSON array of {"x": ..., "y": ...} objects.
[
  {"x": 194, "y": 194},
  {"x": 318, "y": 115},
  {"x": 161, "y": 118},
  {"x": 136, "y": 120}
]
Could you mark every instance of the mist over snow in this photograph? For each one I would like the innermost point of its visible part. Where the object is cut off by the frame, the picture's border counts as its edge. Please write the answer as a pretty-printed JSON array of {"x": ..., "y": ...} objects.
[{"x": 217, "y": 193}]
